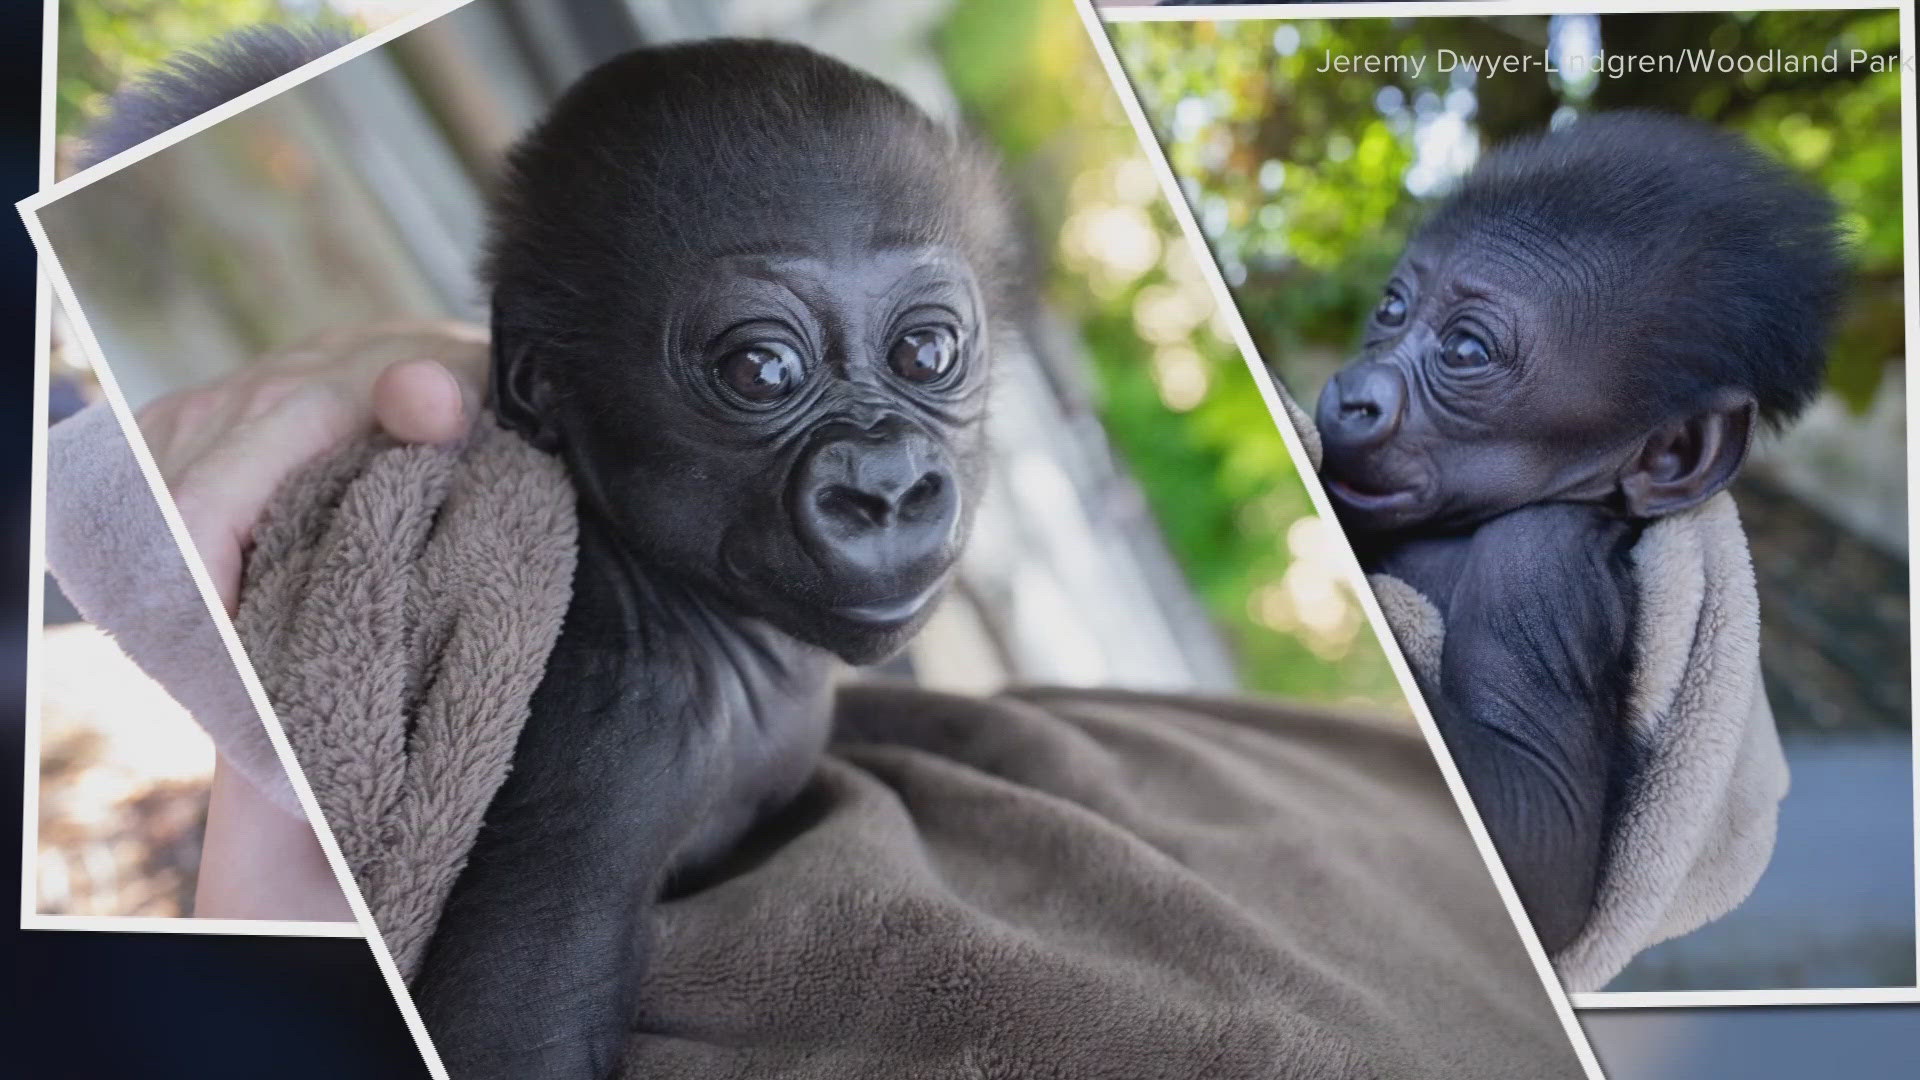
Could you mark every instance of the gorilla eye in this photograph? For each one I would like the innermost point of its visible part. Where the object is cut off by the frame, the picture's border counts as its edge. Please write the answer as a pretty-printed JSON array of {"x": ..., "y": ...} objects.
[
  {"x": 1392, "y": 310},
  {"x": 1464, "y": 351},
  {"x": 762, "y": 372},
  {"x": 925, "y": 355}
]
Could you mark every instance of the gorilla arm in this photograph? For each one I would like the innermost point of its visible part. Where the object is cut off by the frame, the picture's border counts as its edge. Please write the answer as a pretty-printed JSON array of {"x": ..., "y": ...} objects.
[
  {"x": 658, "y": 728},
  {"x": 1537, "y": 605}
]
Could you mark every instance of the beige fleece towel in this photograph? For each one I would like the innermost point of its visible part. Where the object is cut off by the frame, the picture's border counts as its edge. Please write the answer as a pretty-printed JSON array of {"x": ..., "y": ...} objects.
[
  {"x": 1697, "y": 828},
  {"x": 1046, "y": 884},
  {"x": 399, "y": 605}
]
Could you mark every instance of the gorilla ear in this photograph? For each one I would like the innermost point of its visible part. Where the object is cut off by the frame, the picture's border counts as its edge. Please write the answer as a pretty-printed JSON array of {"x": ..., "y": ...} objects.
[
  {"x": 520, "y": 397},
  {"x": 1686, "y": 462}
]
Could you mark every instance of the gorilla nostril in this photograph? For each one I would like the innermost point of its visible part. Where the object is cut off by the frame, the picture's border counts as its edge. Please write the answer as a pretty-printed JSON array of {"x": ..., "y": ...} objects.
[
  {"x": 1362, "y": 406},
  {"x": 863, "y": 509},
  {"x": 925, "y": 492},
  {"x": 849, "y": 504}
]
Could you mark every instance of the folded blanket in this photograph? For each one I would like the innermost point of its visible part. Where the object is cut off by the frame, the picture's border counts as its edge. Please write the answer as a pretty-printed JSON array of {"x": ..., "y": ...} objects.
[
  {"x": 1697, "y": 825},
  {"x": 1043, "y": 884},
  {"x": 398, "y": 605},
  {"x": 109, "y": 548}
]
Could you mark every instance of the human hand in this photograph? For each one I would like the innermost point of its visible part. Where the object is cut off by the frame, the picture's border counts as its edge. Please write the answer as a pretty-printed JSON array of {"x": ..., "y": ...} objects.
[
  {"x": 224, "y": 448},
  {"x": 258, "y": 862}
]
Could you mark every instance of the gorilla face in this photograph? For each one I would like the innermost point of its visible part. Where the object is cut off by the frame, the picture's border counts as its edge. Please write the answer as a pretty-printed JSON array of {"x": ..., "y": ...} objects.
[
  {"x": 1600, "y": 314},
  {"x": 797, "y": 430},
  {"x": 1468, "y": 398},
  {"x": 751, "y": 314},
  {"x": 819, "y": 439}
]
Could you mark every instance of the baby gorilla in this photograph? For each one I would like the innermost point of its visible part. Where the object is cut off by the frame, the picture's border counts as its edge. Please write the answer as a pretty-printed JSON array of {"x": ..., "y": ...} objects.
[
  {"x": 1580, "y": 340},
  {"x": 743, "y": 291}
]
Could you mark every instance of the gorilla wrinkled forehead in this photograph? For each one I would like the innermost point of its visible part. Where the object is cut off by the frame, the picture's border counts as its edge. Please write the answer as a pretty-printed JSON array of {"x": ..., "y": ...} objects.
[
  {"x": 668, "y": 156},
  {"x": 1684, "y": 250}
]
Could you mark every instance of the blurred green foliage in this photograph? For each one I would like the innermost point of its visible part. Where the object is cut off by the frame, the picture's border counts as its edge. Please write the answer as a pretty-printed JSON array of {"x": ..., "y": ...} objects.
[
  {"x": 104, "y": 43},
  {"x": 1175, "y": 396},
  {"x": 1302, "y": 178}
]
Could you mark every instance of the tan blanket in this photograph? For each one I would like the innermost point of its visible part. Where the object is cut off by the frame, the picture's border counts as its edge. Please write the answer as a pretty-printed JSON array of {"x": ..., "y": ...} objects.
[{"x": 1052, "y": 883}]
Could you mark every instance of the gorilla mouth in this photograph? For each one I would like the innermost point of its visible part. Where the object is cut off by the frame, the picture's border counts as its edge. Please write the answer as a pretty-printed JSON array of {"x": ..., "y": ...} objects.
[
  {"x": 1358, "y": 497},
  {"x": 893, "y": 610}
]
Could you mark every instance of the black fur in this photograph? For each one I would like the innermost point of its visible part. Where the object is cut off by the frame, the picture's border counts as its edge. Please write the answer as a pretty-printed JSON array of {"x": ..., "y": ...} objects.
[
  {"x": 193, "y": 82},
  {"x": 682, "y": 208},
  {"x": 1579, "y": 340},
  {"x": 1712, "y": 264}
]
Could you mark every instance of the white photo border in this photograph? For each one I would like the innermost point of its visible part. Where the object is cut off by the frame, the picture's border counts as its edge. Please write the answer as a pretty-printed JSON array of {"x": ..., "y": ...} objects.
[{"x": 55, "y": 285}]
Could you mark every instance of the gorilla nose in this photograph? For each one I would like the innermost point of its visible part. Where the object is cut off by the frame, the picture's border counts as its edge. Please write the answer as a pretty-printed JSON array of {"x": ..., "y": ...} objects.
[
  {"x": 1361, "y": 408},
  {"x": 879, "y": 501}
]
